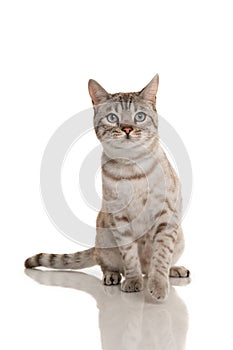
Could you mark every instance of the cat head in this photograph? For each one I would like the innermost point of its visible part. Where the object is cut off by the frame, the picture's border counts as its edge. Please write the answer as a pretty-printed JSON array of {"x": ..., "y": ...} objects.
[{"x": 123, "y": 119}]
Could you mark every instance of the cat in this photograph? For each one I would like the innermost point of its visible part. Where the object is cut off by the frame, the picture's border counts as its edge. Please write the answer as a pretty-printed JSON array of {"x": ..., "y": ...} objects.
[{"x": 138, "y": 229}]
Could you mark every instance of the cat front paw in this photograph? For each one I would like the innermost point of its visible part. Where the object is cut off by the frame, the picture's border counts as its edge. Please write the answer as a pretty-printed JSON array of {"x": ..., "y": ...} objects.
[
  {"x": 134, "y": 284},
  {"x": 111, "y": 278},
  {"x": 158, "y": 287}
]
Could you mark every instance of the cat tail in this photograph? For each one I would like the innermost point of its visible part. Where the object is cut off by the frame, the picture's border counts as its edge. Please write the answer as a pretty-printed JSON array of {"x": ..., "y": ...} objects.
[{"x": 76, "y": 261}]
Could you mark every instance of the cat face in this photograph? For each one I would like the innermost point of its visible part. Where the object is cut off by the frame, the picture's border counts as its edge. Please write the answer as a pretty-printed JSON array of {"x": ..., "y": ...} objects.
[{"x": 123, "y": 119}]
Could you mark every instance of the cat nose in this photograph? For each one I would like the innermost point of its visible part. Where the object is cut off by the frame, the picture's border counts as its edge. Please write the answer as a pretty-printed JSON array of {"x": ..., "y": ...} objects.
[{"x": 127, "y": 129}]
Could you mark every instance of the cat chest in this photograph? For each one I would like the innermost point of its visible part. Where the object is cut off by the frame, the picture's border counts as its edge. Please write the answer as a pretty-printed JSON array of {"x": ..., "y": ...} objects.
[
  {"x": 134, "y": 199},
  {"x": 124, "y": 194}
]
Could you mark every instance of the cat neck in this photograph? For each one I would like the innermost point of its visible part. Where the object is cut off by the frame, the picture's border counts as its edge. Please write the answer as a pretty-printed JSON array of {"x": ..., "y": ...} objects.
[{"x": 131, "y": 166}]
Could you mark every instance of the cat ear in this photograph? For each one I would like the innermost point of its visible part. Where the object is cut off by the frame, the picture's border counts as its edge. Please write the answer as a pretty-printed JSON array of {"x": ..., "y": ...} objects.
[
  {"x": 150, "y": 90},
  {"x": 97, "y": 92}
]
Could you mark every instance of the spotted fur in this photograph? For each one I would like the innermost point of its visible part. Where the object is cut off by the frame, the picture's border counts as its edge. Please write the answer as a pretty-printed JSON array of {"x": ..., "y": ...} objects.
[{"x": 139, "y": 225}]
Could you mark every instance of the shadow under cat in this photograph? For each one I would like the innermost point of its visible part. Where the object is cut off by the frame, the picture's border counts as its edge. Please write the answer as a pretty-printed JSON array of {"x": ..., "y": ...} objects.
[{"x": 127, "y": 320}]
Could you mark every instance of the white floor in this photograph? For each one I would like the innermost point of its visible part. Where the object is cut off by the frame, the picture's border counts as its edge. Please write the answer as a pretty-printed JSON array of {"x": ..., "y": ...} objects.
[
  {"x": 44, "y": 309},
  {"x": 126, "y": 321}
]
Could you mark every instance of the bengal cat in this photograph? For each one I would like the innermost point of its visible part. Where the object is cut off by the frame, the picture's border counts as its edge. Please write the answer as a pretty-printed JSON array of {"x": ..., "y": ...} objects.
[{"x": 138, "y": 228}]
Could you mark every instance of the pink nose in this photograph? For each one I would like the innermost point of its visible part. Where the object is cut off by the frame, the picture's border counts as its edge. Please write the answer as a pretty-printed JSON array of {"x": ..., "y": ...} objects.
[{"x": 127, "y": 130}]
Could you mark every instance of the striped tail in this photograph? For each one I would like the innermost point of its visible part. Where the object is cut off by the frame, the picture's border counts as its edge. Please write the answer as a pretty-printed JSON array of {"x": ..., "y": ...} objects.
[{"x": 75, "y": 261}]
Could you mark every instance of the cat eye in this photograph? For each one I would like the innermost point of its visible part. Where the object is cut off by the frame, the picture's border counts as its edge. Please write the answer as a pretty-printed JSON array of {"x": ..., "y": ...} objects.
[
  {"x": 112, "y": 118},
  {"x": 140, "y": 117}
]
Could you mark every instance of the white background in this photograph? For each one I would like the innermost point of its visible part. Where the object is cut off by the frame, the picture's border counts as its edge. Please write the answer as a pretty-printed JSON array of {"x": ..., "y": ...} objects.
[{"x": 49, "y": 50}]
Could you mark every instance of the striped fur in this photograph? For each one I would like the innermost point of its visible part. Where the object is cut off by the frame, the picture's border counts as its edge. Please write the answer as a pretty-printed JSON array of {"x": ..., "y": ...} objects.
[
  {"x": 78, "y": 260},
  {"x": 138, "y": 226}
]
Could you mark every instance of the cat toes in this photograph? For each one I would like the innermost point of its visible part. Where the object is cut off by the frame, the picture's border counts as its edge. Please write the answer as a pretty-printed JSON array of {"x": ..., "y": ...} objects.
[
  {"x": 158, "y": 287},
  {"x": 111, "y": 278},
  {"x": 132, "y": 284},
  {"x": 179, "y": 271}
]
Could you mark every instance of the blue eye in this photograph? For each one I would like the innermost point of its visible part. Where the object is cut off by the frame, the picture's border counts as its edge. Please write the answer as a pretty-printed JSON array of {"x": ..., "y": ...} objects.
[
  {"x": 112, "y": 118},
  {"x": 140, "y": 117}
]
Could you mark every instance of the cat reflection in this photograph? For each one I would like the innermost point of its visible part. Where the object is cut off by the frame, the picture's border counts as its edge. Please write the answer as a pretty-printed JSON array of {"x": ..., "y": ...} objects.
[{"x": 127, "y": 320}]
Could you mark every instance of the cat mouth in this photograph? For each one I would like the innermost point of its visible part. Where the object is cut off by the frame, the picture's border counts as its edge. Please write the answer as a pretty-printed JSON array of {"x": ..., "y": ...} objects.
[
  {"x": 130, "y": 137},
  {"x": 125, "y": 136}
]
